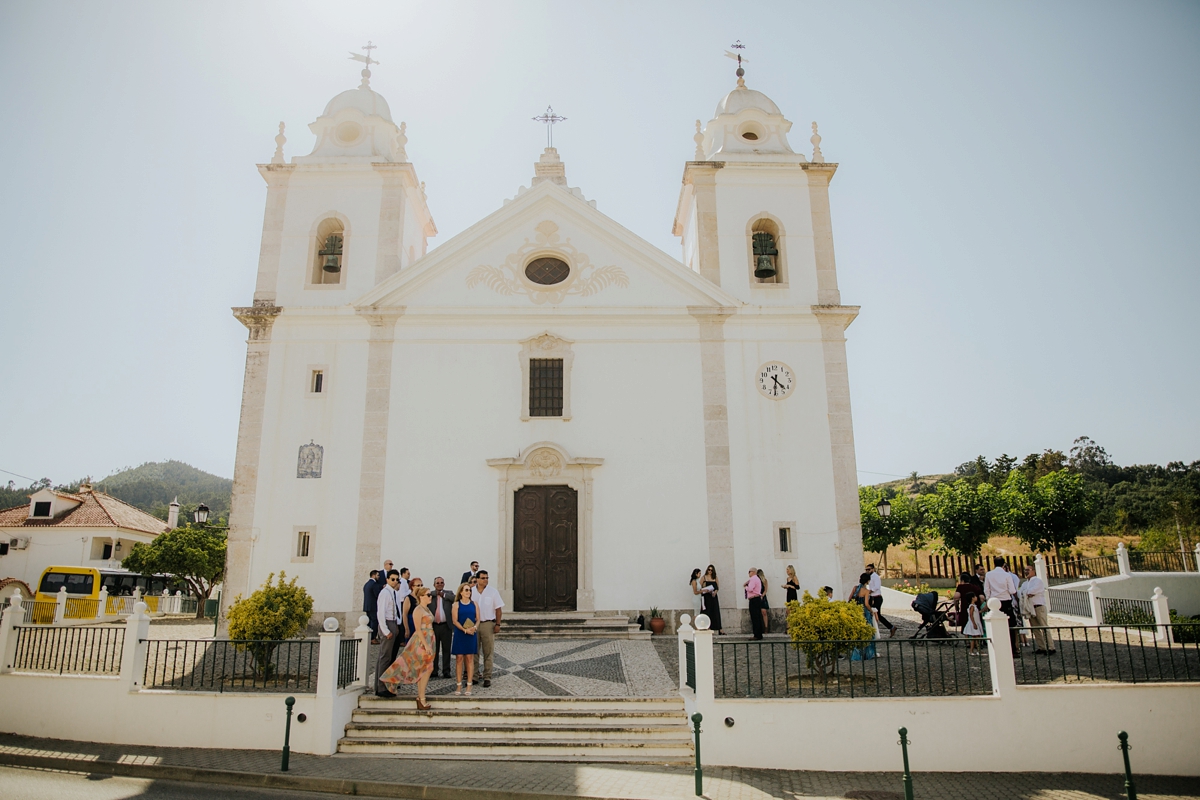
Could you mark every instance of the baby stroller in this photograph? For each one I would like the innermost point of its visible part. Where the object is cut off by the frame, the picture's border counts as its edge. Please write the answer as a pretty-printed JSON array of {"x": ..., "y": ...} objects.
[{"x": 934, "y": 616}]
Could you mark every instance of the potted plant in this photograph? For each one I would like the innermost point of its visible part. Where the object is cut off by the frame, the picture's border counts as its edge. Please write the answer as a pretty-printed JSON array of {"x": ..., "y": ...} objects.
[{"x": 657, "y": 623}]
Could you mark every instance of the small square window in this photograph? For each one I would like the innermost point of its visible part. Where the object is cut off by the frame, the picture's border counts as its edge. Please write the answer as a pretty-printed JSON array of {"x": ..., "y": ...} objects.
[
  {"x": 785, "y": 540},
  {"x": 318, "y": 381},
  {"x": 303, "y": 542},
  {"x": 41, "y": 509}
]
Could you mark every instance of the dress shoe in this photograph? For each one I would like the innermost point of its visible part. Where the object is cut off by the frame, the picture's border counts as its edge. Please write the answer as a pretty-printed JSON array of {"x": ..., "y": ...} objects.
[
  {"x": 385, "y": 693},
  {"x": 1051, "y": 651},
  {"x": 1040, "y": 651},
  {"x": 487, "y": 682}
]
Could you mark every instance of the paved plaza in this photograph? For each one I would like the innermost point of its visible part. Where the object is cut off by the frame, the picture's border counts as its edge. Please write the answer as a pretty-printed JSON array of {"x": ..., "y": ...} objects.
[{"x": 514, "y": 780}]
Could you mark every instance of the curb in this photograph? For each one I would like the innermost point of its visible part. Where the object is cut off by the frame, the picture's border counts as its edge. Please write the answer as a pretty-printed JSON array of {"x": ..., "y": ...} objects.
[{"x": 277, "y": 781}]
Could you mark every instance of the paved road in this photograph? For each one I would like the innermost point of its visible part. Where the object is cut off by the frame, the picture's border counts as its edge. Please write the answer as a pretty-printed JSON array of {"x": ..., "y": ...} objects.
[{"x": 32, "y": 784}]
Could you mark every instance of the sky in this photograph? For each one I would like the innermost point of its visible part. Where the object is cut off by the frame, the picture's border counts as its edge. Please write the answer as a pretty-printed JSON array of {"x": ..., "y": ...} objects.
[{"x": 1016, "y": 207}]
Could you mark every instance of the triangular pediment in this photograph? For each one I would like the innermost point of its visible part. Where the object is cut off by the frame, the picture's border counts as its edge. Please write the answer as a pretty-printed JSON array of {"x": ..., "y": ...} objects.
[{"x": 484, "y": 266}]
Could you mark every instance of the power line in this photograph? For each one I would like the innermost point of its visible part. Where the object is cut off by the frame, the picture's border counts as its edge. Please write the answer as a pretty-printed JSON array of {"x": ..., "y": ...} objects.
[{"x": 26, "y": 477}]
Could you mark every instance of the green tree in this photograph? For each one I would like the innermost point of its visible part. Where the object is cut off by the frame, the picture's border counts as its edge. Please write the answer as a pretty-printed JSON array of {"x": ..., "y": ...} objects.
[
  {"x": 879, "y": 533},
  {"x": 962, "y": 515},
  {"x": 1047, "y": 513},
  {"x": 193, "y": 555},
  {"x": 269, "y": 615}
]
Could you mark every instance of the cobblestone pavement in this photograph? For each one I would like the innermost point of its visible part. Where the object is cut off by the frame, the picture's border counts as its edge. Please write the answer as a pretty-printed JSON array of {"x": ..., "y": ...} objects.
[
  {"x": 481, "y": 778},
  {"x": 570, "y": 668}
]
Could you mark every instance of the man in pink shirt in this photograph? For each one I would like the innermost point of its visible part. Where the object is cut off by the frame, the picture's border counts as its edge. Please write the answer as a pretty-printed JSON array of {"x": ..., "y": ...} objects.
[{"x": 753, "y": 588}]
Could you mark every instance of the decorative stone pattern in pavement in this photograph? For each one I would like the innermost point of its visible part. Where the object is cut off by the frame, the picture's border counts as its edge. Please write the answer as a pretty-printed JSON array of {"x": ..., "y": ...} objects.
[
  {"x": 619, "y": 780},
  {"x": 570, "y": 668}
]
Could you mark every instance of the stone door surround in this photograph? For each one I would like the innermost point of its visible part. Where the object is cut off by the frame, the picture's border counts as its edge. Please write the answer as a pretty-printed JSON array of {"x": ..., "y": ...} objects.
[{"x": 544, "y": 464}]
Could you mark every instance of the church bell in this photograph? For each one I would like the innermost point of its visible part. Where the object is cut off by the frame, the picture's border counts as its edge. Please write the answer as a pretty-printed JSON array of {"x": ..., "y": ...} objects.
[
  {"x": 332, "y": 253},
  {"x": 764, "y": 255}
]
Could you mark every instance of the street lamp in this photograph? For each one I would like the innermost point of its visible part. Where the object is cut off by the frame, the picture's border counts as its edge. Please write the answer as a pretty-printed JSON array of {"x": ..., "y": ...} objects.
[
  {"x": 201, "y": 514},
  {"x": 884, "y": 508}
]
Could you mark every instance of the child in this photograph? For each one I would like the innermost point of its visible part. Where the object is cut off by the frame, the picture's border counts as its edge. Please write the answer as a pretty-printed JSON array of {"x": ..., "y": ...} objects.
[{"x": 974, "y": 627}]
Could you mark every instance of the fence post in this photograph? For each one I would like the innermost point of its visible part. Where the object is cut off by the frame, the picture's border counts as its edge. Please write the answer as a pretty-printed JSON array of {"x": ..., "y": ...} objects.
[
  {"x": 60, "y": 605},
  {"x": 906, "y": 780},
  {"x": 133, "y": 654},
  {"x": 1000, "y": 654},
  {"x": 1123, "y": 559},
  {"x": 327, "y": 658},
  {"x": 1198, "y": 557},
  {"x": 1130, "y": 791},
  {"x": 1094, "y": 603},
  {"x": 363, "y": 634},
  {"x": 1039, "y": 568},
  {"x": 697, "y": 718},
  {"x": 1162, "y": 614},
  {"x": 702, "y": 640},
  {"x": 683, "y": 634},
  {"x": 102, "y": 603},
  {"x": 13, "y": 615},
  {"x": 287, "y": 733}
]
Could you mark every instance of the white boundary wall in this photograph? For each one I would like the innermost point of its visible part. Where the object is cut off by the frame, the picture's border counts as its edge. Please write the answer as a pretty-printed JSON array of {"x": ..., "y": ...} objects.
[
  {"x": 1050, "y": 728},
  {"x": 116, "y": 710}
]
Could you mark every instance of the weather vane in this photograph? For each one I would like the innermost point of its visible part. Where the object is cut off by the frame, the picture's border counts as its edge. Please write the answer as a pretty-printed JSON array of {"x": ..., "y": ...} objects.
[
  {"x": 550, "y": 118},
  {"x": 367, "y": 60},
  {"x": 738, "y": 57}
]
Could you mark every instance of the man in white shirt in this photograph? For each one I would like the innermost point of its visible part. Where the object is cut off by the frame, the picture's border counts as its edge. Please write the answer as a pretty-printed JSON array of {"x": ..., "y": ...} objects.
[
  {"x": 1000, "y": 584},
  {"x": 876, "y": 588},
  {"x": 387, "y": 612},
  {"x": 1035, "y": 590},
  {"x": 488, "y": 605}
]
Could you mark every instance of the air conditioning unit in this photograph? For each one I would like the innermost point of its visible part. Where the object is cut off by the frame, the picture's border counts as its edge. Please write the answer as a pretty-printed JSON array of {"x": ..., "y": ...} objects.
[{"x": 19, "y": 544}]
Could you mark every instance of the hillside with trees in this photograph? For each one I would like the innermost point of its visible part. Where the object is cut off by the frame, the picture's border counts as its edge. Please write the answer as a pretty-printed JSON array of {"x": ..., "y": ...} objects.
[
  {"x": 1050, "y": 502},
  {"x": 150, "y": 487}
]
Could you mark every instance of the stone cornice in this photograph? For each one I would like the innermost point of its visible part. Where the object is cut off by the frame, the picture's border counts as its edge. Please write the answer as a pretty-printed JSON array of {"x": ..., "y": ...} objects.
[
  {"x": 842, "y": 315},
  {"x": 275, "y": 173},
  {"x": 257, "y": 318},
  {"x": 381, "y": 320}
]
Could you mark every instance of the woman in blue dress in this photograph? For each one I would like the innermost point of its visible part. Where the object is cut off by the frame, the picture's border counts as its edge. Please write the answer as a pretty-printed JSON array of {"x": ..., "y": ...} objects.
[
  {"x": 862, "y": 596},
  {"x": 465, "y": 641}
]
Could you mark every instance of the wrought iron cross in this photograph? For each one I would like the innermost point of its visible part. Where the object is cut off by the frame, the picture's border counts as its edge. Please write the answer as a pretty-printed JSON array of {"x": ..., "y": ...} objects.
[
  {"x": 737, "y": 56},
  {"x": 550, "y": 118},
  {"x": 367, "y": 58}
]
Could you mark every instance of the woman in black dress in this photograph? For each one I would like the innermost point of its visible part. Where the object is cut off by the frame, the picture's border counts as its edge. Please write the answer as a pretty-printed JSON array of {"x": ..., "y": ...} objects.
[
  {"x": 710, "y": 604},
  {"x": 791, "y": 584}
]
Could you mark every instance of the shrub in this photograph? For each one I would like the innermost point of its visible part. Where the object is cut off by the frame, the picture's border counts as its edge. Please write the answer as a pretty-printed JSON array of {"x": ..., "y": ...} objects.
[
  {"x": 272, "y": 613},
  {"x": 1185, "y": 630},
  {"x": 1131, "y": 615},
  {"x": 826, "y": 629}
]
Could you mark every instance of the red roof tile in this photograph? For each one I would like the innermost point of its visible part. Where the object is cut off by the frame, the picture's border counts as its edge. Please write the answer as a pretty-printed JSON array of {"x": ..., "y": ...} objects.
[{"x": 96, "y": 510}]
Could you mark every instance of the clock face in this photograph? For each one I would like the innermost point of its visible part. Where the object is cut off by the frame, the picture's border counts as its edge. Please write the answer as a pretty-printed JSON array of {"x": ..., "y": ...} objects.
[{"x": 775, "y": 380}]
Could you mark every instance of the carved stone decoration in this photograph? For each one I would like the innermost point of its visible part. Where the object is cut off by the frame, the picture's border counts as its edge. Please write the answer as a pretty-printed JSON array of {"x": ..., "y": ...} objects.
[
  {"x": 545, "y": 463},
  {"x": 308, "y": 463},
  {"x": 585, "y": 279}
]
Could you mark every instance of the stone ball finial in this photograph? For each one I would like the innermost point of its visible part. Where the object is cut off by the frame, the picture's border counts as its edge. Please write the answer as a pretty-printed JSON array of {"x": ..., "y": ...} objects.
[
  {"x": 280, "y": 141},
  {"x": 402, "y": 142},
  {"x": 817, "y": 156},
  {"x": 703, "y": 622},
  {"x": 994, "y": 604}
]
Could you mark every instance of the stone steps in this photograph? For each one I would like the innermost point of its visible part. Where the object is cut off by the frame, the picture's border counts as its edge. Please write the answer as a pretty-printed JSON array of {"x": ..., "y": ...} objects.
[
  {"x": 570, "y": 729},
  {"x": 569, "y": 625}
]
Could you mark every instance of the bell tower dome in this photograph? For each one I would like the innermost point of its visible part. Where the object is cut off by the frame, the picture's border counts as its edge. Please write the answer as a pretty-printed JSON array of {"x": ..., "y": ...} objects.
[
  {"x": 347, "y": 215},
  {"x": 753, "y": 214}
]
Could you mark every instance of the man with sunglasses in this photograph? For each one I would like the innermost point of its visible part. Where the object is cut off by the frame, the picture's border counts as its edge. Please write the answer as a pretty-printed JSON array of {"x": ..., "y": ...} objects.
[{"x": 387, "y": 612}]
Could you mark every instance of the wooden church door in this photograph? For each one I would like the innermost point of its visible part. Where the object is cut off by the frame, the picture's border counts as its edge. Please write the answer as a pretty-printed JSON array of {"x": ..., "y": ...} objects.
[{"x": 546, "y": 548}]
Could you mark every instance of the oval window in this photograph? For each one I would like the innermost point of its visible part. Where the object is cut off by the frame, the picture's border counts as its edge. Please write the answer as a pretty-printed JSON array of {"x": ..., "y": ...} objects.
[
  {"x": 349, "y": 132},
  {"x": 547, "y": 271},
  {"x": 750, "y": 135}
]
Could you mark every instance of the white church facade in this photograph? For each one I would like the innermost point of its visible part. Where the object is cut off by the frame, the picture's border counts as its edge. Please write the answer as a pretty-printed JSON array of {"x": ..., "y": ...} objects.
[{"x": 546, "y": 393}]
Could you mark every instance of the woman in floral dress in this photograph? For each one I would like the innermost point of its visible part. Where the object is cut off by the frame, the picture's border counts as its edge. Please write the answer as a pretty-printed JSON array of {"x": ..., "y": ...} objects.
[{"x": 415, "y": 662}]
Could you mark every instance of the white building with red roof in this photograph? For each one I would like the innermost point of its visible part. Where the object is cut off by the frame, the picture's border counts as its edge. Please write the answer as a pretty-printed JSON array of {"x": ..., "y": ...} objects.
[{"x": 85, "y": 528}]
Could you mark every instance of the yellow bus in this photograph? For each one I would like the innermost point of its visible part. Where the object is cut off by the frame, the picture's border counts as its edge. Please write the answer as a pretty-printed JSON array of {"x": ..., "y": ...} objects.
[{"x": 83, "y": 586}]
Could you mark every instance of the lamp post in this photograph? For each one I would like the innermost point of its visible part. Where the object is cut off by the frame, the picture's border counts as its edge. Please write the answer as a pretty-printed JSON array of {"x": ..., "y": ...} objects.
[
  {"x": 201, "y": 514},
  {"x": 885, "y": 510}
]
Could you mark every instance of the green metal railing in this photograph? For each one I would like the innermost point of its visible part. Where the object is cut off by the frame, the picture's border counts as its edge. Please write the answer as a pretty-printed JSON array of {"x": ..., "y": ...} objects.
[
  {"x": 1115, "y": 654},
  {"x": 347, "y": 662},
  {"x": 689, "y": 651},
  {"x": 829, "y": 668},
  {"x": 70, "y": 651},
  {"x": 250, "y": 665}
]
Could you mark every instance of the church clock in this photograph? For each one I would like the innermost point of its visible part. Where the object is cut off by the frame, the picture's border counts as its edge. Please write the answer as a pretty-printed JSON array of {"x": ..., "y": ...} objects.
[{"x": 775, "y": 380}]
